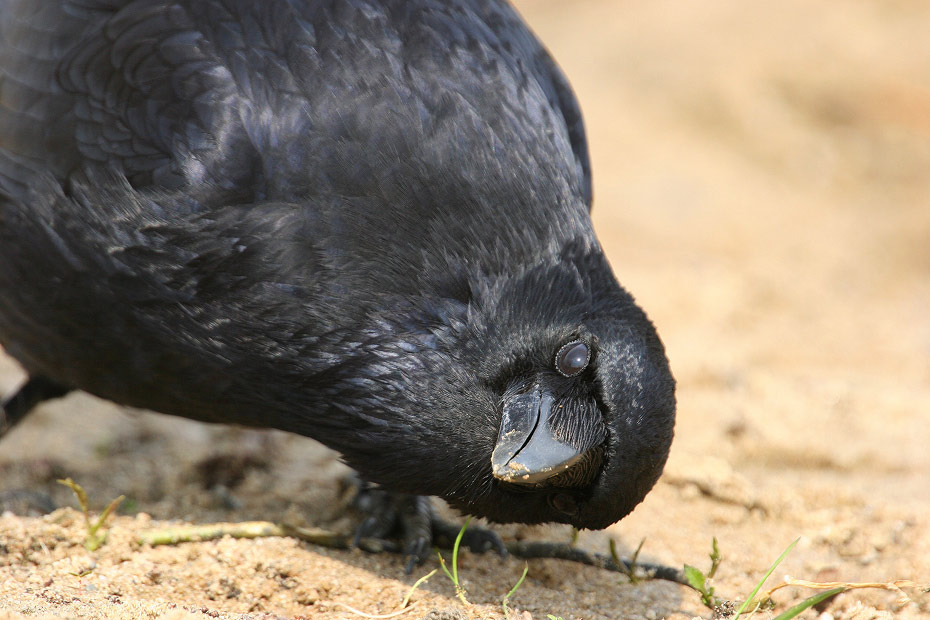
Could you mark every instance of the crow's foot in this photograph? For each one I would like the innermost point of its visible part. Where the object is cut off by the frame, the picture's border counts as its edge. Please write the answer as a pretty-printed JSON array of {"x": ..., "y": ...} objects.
[{"x": 412, "y": 519}]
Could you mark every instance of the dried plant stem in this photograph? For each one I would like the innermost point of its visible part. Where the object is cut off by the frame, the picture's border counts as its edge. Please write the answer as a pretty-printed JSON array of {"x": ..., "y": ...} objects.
[
  {"x": 259, "y": 529},
  {"x": 894, "y": 586},
  {"x": 357, "y": 612}
]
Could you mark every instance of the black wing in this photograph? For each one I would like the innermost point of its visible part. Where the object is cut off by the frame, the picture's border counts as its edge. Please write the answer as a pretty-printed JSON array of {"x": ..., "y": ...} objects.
[
  {"x": 563, "y": 98},
  {"x": 133, "y": 86},
  {"x": 269, "y": 98},
  {"x": 556, "y": 87}
]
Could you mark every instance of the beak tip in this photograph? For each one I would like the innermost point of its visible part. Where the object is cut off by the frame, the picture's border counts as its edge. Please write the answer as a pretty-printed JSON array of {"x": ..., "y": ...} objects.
[
  {"x": 519, "y": 473},
  {"x": 510, "y": 471}
]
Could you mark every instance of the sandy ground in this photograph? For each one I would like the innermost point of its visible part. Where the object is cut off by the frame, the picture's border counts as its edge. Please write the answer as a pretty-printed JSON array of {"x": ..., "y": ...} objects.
[{"x": 762, "y": 181}]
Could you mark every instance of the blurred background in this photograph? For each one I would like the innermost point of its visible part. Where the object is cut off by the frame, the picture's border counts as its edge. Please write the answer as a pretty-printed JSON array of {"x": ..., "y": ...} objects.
[{"x": 762, "y": 186}]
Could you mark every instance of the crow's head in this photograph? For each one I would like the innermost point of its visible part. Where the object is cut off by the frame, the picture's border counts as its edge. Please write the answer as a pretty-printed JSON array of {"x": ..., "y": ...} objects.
[
  {"x": 586, "y": 400},
  {"x": 545, "y": 396}
]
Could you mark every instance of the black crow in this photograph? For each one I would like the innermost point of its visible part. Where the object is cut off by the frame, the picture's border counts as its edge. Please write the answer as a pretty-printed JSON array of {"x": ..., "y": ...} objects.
[{"x": 363, "y": 221}]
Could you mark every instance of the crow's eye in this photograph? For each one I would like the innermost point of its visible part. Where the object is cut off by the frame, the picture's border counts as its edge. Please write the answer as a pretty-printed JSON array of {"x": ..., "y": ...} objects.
[{"x": 572, "y": 358}]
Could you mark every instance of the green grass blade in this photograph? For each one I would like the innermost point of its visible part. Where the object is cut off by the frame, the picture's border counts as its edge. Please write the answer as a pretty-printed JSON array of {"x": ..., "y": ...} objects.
[
  {"x": 455, "y": 551},
  {"x": 81, "y": 495},
  {"x": 112, "y": 506},
  {"x": 808, "y": 603},
  {"x": 759, "y": 585},
  {"x": 526, "y": 569},
  {"x": 442, "y": 563},
  {"x": 715, "y": 558}
]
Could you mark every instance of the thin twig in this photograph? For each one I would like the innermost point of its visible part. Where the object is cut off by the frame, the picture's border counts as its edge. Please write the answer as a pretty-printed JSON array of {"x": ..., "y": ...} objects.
[
  {"x": 416, "y": 585},
  {"x": 894, "y": 586},
  {"x": 260, "y": 529},
  {"x": 393, "y": 614}
]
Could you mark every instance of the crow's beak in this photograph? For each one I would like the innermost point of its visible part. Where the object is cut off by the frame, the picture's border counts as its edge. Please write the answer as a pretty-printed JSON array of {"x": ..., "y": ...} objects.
[{"x": 527, "y": 451}]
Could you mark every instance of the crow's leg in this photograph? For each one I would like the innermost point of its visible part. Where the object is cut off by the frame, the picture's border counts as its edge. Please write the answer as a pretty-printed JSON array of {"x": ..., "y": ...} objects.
[
  {"x": 12, "y": 410},
  {"x": 33, "y": 392},
  {"x": 413, "y": 520}
]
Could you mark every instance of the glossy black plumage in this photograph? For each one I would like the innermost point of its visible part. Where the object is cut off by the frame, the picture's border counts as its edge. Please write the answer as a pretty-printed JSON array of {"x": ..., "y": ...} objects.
[{"x": 365, "y": 222}]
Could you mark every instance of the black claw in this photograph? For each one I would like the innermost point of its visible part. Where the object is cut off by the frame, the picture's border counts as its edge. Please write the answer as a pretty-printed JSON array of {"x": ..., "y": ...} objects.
[
  {"x": 416, "y": 551},
  {"x": 416, "y": 518},
  {"x": 362, "y": 531},
  {"x": 416, "y": 523}
]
